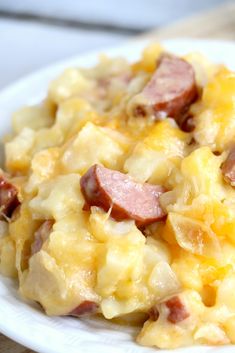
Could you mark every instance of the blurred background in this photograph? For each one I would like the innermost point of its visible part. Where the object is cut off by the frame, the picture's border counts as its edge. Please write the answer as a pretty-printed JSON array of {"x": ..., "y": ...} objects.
[{"x": 36, "y": 33}]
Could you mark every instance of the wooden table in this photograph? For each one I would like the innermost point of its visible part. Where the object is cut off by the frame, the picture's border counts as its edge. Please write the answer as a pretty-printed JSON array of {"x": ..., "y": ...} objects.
[{"x": 218, "y": 24}]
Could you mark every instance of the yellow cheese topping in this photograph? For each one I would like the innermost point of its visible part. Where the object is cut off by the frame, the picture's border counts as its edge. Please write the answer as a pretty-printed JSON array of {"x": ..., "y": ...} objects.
[{"x": 88, "y": 255}]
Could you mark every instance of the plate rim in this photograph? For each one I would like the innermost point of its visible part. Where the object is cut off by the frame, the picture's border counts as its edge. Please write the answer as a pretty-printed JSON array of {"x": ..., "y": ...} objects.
[{"x": 106, "y": 49}]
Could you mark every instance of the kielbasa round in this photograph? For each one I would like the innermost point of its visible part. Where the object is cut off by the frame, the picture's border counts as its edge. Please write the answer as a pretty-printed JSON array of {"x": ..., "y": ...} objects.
[
  {"x": 228, "y": 167},
  {"x": 87, "y": 307},
  {"x": 41, "y": 235},
  {"x": 177, "y": 310},
  {"x": 8, "y": 197},
  {"x": 170, "y": 91},
  {"x": 127, "y": 199}
]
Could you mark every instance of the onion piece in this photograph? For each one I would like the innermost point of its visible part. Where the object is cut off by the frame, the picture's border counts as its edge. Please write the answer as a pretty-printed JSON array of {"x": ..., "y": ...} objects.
[
  {"x": 163, "y": 280},
  {"x": 194, "y": 236}
]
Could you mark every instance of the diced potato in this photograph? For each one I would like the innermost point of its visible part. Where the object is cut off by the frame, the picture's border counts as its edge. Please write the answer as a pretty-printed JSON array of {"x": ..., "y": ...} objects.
[
  {"x": 211, "y": 334},
  {"x": 156, "y": 251},
  {"x": 164, "y": 334},
  {"x": 149, "y": 58},
  {"x": 7, "y": 257},
  {"x": 34, "y": 283},
  {"x": 47, "y": 283},
  {"x": 131, "y": 274},
  {"x": 212, "y": 271},
  {"x": 53, "y": 202},
  {"x": 92, "y": 145},
  {"x": 112, "y": 308},
  {"x": 202, "y": 169},
  {"x": 33, "y": 117},
  {"x": 72, "y": 114},
  {"x": 188, "y": 279},
  {"x": 22, "y": 230},
  {"x": 224, "y": 82},
  {"x": 230, "y": 328},
  {"x": 163, "y": 280},
  {"x": 71, "y": 82},
  {"x": 157, "y": 166},
  {"x": 223, "y": 219},
  {"x": 204, "y": 70},
  {"x": 18, "y": 151},
  {"x": 160, "y": 152},
  {"x": 44, "y": 166},
  {"x": 121, "y": 260},
  {"x": 215, "y": 125},
  {"x": 107, "y": 67},
  {"x": 46, "y": 138},
  {"x": 75, "y": 224},
  {"x": 225, "y": 289},
  {"x": 166, "y": 137},
  {"x": 68, "y": 248},
  {"x": 228, "y": 254},
  {"x": 197, "y": 185},
  {"x": 103, "y": 227},
  {"x": 4, "y": 229},
  {"x": 60, "y": 276}
]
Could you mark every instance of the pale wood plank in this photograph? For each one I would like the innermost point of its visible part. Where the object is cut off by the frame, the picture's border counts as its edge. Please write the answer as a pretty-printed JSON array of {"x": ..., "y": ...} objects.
[{"x": 218, "y": 23}]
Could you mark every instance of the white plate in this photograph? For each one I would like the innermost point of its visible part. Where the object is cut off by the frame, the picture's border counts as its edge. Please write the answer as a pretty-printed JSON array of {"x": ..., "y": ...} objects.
[{"x": 24, "y": 322}]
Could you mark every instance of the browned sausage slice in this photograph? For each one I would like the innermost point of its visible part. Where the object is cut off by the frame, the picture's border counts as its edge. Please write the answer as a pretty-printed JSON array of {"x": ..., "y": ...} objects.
[
  {"x": 8, "y": 197},
  {"x": 41, "y": 235},
  {"x": 85, "y": 308},
  {"x": 154, "y": 313},
  {"x": 127, "y": 199},
  {"x": 228, "y": 168},
  {"x": 177, "y": 310},
  {"x": 170, "y": 91}
]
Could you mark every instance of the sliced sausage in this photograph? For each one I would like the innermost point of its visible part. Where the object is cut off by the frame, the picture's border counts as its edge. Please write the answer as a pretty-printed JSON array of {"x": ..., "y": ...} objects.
[
  {"x": 228, "y": 168},
  {"x": 8, "y": 197},
  {"x": 127, "y": 199},
  {"x": 85, "y": 308},
  {"x": 187, "y": 123},
  {"x": 154, "y": 313},
  {"x": 177, "y": 310},
  {"x": 170, "y": 91},
  {"x": 41, "y": 235}
]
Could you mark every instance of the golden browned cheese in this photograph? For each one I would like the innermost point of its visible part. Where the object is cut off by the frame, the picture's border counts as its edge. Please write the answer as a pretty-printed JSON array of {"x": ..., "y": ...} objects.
[{"x": 89, "y": 257}]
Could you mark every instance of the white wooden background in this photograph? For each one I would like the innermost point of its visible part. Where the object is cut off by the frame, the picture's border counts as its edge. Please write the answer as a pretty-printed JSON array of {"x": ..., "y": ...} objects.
[
  {"x": 34, "y": 33},
  {"x": 137, "y": 14}
]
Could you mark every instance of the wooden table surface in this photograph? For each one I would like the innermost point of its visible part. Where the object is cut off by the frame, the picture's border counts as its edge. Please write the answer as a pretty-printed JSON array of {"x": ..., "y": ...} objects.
[{"x": 217, "y": 24}]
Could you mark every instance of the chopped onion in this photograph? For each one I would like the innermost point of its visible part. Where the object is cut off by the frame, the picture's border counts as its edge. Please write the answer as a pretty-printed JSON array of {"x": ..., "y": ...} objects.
[
  {"x": 163, "y": 280},
  {"x": 194, "y": 236}
]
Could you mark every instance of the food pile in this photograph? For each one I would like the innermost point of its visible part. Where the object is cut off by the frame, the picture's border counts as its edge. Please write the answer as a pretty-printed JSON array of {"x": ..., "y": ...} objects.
[{"x": 117, "y": 197}]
